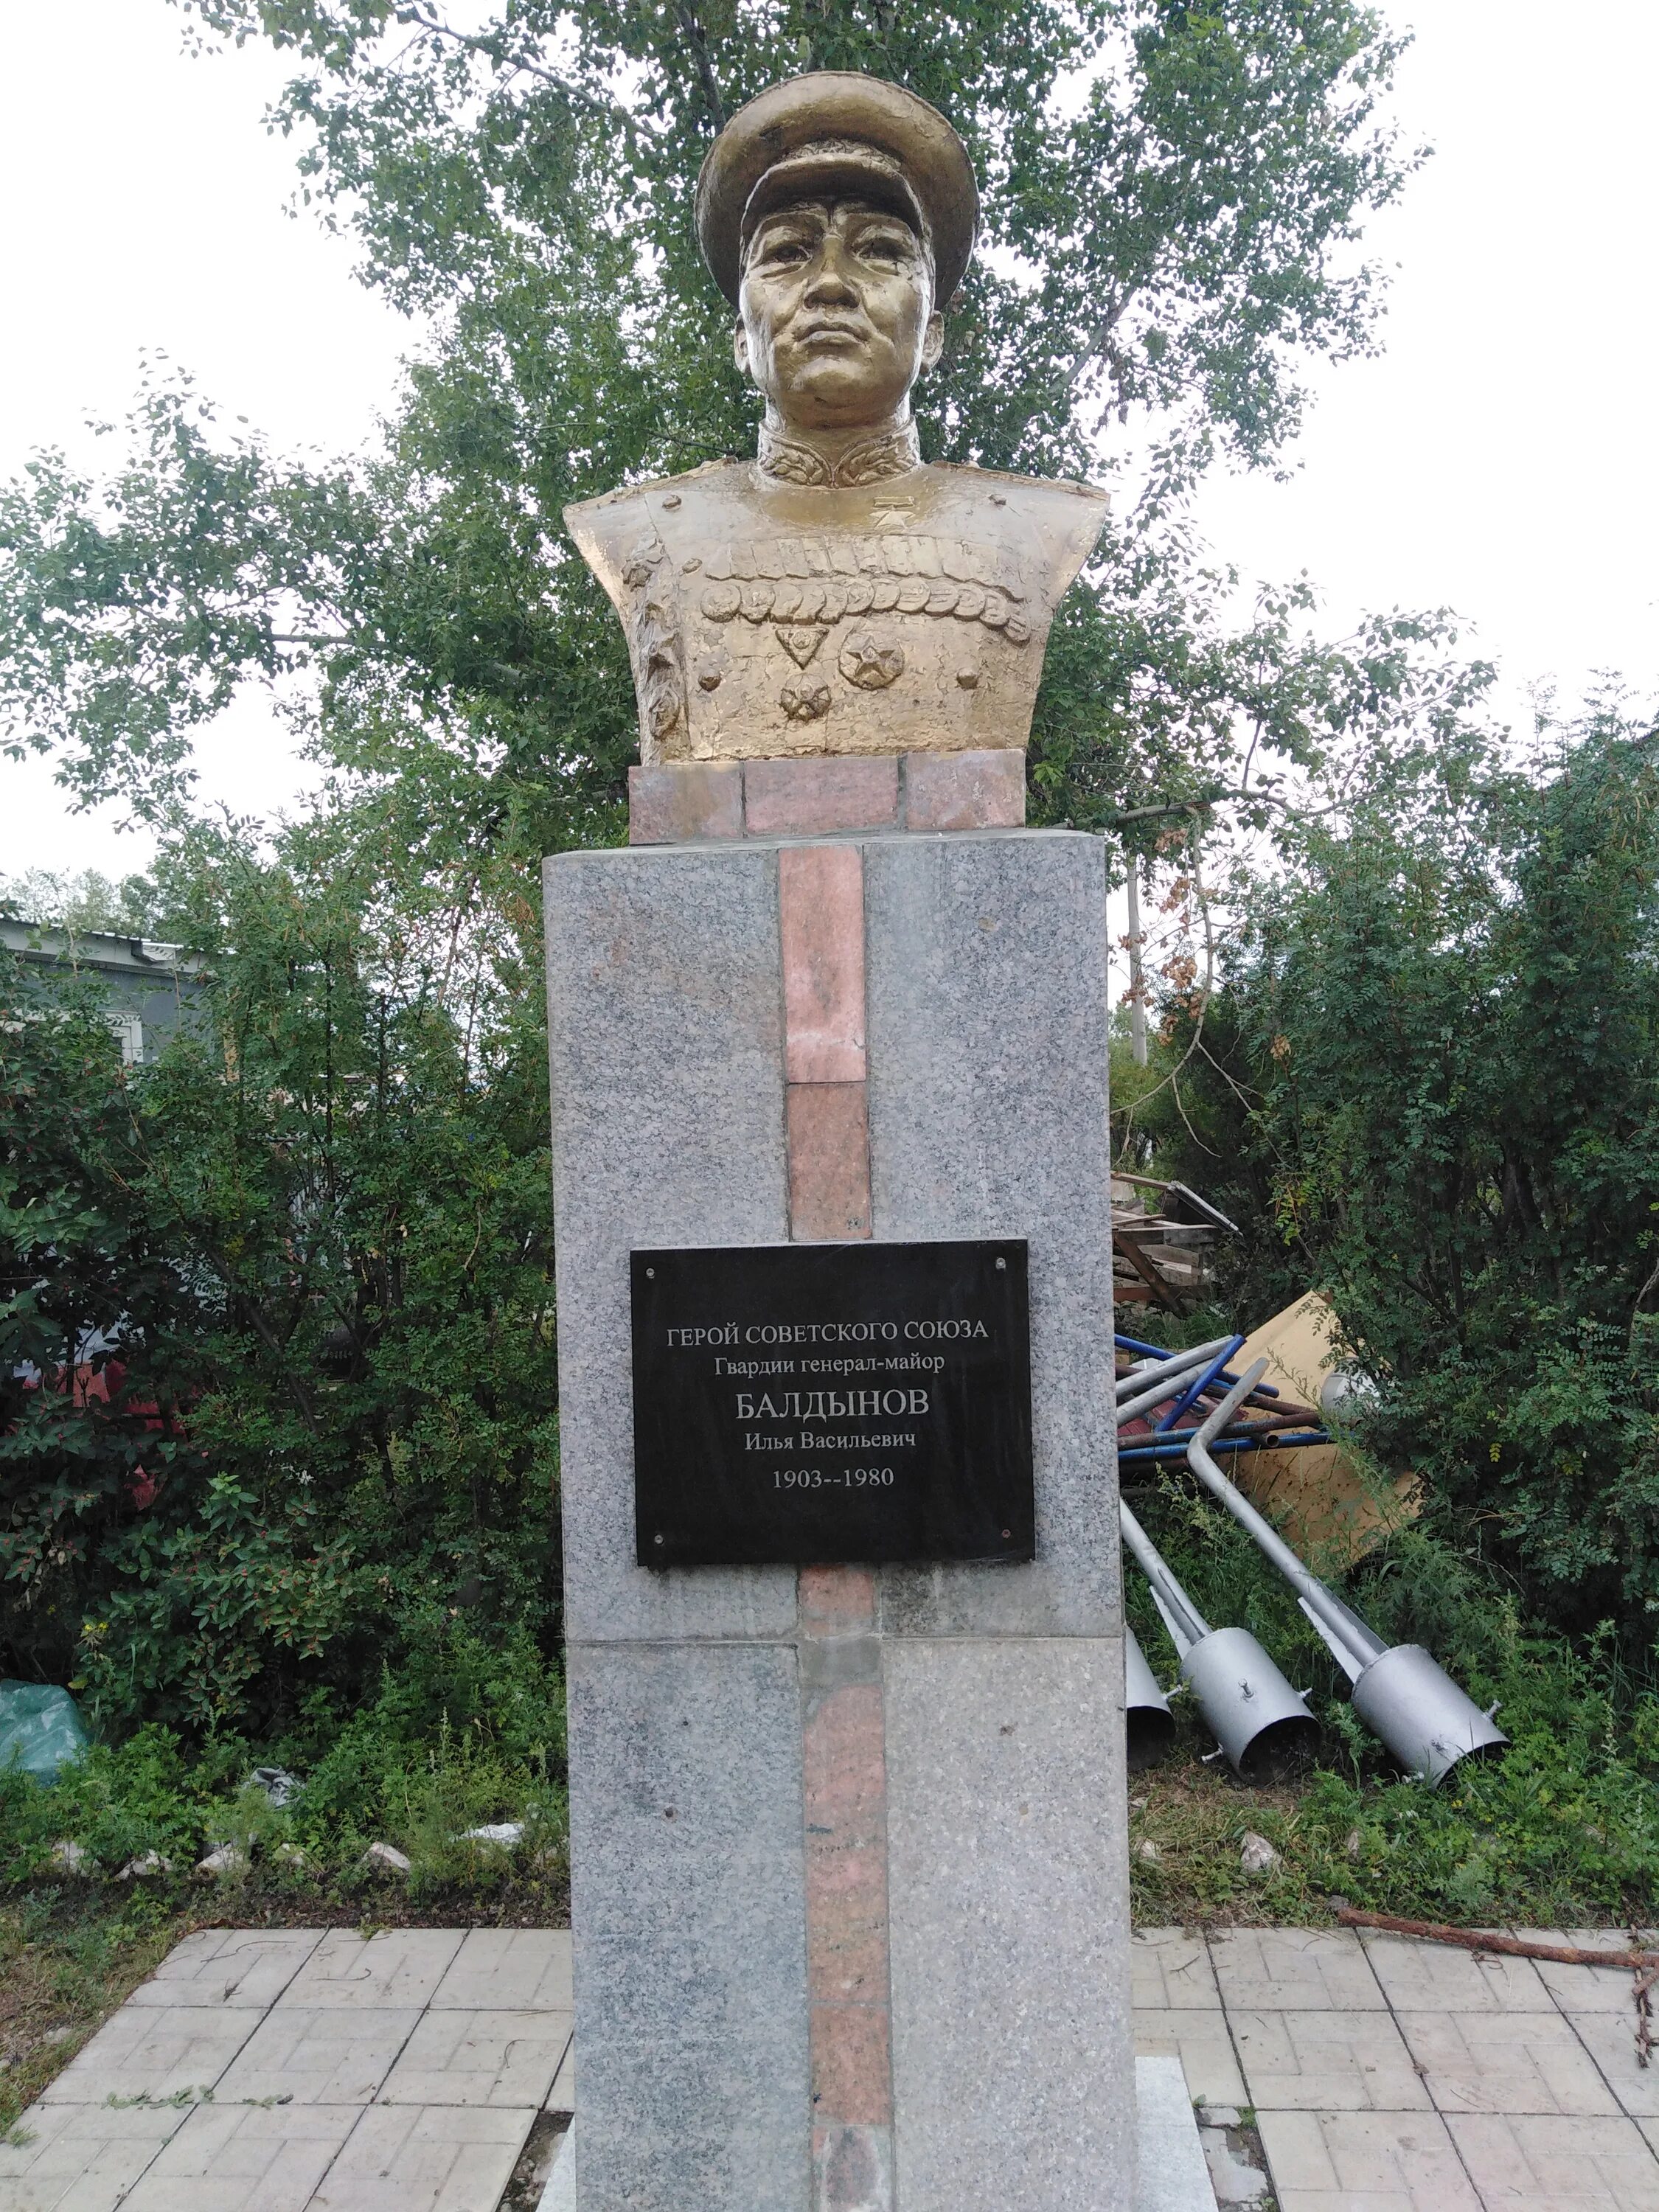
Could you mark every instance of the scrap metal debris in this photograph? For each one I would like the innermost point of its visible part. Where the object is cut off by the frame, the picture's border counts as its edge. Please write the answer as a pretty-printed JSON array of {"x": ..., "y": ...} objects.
[
  {"x": 1400, "y": 1691},
  {"x": 1171, "y": 1394}
]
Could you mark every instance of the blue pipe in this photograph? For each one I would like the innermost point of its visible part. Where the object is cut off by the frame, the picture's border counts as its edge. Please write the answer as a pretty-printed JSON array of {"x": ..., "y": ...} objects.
[
  {"x": 1163, "y": 1352},
  {"x": 1175, "y": 1447},
  {"x": 1199, "y": 1385}
]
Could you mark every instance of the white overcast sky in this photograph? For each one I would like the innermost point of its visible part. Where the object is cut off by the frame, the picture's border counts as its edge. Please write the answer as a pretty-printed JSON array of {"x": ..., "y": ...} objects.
[{"x": 1502, "y": 456}]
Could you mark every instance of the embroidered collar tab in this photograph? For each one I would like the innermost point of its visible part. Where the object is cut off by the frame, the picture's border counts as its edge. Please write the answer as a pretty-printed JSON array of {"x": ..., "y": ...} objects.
[{"x": 894, "y": 453}]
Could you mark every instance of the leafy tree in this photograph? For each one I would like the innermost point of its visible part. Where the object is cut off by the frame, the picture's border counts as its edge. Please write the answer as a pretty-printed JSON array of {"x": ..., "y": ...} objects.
[
  {"x": 82, "y": 901},
  {"x": 1173, "y": 196},
  {"x": 1431, "y": 1083},
  {"x": 339, "y": 1181},
  {"x": 313, "y": 1239}
]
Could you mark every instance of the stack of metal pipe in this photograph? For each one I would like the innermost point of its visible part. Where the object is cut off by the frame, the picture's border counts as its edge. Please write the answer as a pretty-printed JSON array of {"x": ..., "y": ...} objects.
[{"x": 1263, "y": 1726}]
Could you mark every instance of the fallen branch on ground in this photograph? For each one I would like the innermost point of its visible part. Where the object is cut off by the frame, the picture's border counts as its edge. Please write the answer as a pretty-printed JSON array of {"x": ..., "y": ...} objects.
[{"x": 1511, "y": 1946}]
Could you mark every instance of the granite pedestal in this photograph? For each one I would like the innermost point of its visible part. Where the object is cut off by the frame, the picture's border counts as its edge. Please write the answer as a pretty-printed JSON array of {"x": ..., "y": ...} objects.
[{"x": 849, "y": 1862}]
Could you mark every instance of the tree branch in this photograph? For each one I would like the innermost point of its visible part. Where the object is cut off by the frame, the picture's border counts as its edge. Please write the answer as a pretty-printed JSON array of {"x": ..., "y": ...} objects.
[
  {"x": 430, "y": 20},
  {"x": 1096, "y": 341},
  {"x": 1205, "y": 996},
  {"x": 1651, "y": 1283},
  {"x": 697, "y": 39}
]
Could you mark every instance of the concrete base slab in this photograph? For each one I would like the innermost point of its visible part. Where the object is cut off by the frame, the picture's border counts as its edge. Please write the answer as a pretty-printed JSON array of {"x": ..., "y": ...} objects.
[
  {"x": 1174, "y": 2176},
  {"x": 560, "y": 2194}
]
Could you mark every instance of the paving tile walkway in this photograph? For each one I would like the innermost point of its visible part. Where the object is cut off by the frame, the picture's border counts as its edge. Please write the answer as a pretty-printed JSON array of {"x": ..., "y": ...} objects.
[
  {"x": 1392, "y": 2076},
  {"x": 308, "y": 2070}
]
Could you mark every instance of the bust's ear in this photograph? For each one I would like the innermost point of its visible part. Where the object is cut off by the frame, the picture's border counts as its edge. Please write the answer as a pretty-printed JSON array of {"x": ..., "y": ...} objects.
[
  {"x": 933, "y": 343},
  {"x": 740, "y": 345}
]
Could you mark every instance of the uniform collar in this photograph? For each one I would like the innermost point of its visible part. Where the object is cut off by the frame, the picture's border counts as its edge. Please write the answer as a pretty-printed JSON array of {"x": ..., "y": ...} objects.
[{"x": 874, "y": 460}]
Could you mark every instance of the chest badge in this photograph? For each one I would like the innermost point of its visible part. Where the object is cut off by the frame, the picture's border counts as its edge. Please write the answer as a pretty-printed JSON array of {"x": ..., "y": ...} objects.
[
  {"x": 866, "y": 661},
  {"x": 800, "y": 640}
]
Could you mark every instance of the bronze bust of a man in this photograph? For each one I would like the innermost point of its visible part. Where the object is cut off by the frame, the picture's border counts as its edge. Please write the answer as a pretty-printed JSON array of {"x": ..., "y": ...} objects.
[{"x": 836, "y": 594}]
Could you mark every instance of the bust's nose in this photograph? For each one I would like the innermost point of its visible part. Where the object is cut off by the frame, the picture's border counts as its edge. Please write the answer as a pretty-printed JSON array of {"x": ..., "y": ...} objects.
[{"x": 831, "y": 284}]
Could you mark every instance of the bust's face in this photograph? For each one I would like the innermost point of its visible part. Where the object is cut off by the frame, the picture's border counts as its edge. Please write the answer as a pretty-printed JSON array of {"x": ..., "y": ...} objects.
[{"x": 836, "y": 317}]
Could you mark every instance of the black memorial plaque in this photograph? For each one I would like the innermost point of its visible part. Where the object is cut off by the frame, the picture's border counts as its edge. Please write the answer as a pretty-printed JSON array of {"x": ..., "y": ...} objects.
[{"x": 803, "y": 1404}]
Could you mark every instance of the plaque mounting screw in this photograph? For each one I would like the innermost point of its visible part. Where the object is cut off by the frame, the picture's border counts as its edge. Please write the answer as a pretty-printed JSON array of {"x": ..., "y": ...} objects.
[
  {"x": 657, "y": 1540},
  {"x": 651, "y": 1273},
  {"x": 1006, "y": 1533},
  {"x": 1001, "y": 1263}
]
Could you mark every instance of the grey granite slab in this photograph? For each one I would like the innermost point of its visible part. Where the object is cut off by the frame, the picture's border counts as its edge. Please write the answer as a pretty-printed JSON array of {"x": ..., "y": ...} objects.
[
  {"x": 1173, "y": 2175},
  {"x": 689, "y": 1911},
  {"x": 1008, "y": 1882},
  {"x": 1170, "y": 2169},
  {"x": 560, "y": 2194},
  {"x": 665, "y": 1020},
  {"x": 988, "y": 1021}
]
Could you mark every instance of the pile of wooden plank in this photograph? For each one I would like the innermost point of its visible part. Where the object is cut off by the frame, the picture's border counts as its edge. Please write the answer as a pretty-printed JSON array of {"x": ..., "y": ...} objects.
[{"x": 1163, "y": 1244}]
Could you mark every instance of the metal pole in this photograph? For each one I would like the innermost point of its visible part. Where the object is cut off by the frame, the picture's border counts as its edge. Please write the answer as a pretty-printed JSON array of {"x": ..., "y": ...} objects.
[
  {"x": 1168, "y": 1373},
  {"x": 1199, "y": 1384},
  {"x": 1329, "y": 1612},
  {"x": 1401, "y": 1692},
  {"x": 1261, "y": 1725},
  {"x": 1186, "y": 1624},
  {"x": 1136, "y": 980}
]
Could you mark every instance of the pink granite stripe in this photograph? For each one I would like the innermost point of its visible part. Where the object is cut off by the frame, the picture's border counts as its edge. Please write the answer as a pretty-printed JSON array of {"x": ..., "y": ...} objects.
[
  {"x": 843, "y": 1734},
  {"x": 846, "y": 1785},
  {"x": 821, "y": 905},
  {"x": 684, "y": 802},
  {"x": 852, "y": 2169},
  {"x": 828, "y": 1162},
  {"x": 836, "y": 1601},
  {"x": 965, "y": 791}
]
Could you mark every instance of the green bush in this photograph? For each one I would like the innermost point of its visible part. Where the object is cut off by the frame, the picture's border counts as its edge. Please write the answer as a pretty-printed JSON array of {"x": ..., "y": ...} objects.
[
  {"x": 1430, "y": 1086},
  {"x": 469, "y": 1733},
  {"x": 319, "y": 1224}
]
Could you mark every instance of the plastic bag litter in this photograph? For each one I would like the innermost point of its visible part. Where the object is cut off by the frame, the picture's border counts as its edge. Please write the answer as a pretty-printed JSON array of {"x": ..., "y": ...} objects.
[
  {"x": 40, "y": 1729},
  {"x": 278, "y": 1784}
]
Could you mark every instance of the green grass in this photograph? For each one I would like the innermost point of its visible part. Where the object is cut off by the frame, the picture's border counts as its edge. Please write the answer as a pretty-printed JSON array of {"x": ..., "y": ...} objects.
[
  {"x": 464, "y": 1734},
  {"x": 467, "y": 1734},
  {"x": 1562, "y": 1829}
]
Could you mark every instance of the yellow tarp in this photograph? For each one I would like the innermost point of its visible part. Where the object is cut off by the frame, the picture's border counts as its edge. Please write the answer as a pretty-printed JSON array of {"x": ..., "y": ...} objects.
[{"x": 1315, "y": 1492}]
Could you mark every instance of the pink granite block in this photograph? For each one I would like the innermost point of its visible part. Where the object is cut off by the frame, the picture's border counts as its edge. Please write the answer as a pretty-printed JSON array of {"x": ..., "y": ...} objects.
[
  {"x": 829, "y": 1132},
  {"x": 852, "y": 2065},
  {"x": 684, "y": 802},
  {"x": 965, "y": 791},
  {"x": 821, "y": 909},
  {"x": 836, "y": 1601},
  {"x": 844, "y": 1773},
  {"x": 811, "y": 797}
]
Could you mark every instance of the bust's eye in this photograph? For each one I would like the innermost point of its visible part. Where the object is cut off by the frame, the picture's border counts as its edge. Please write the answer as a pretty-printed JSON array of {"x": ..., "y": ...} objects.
[{"x": 785, "y": 252}]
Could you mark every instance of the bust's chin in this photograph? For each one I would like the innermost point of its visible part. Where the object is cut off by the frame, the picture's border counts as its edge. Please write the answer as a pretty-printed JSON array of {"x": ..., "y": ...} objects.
[{"x": 833, "y": 393}]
